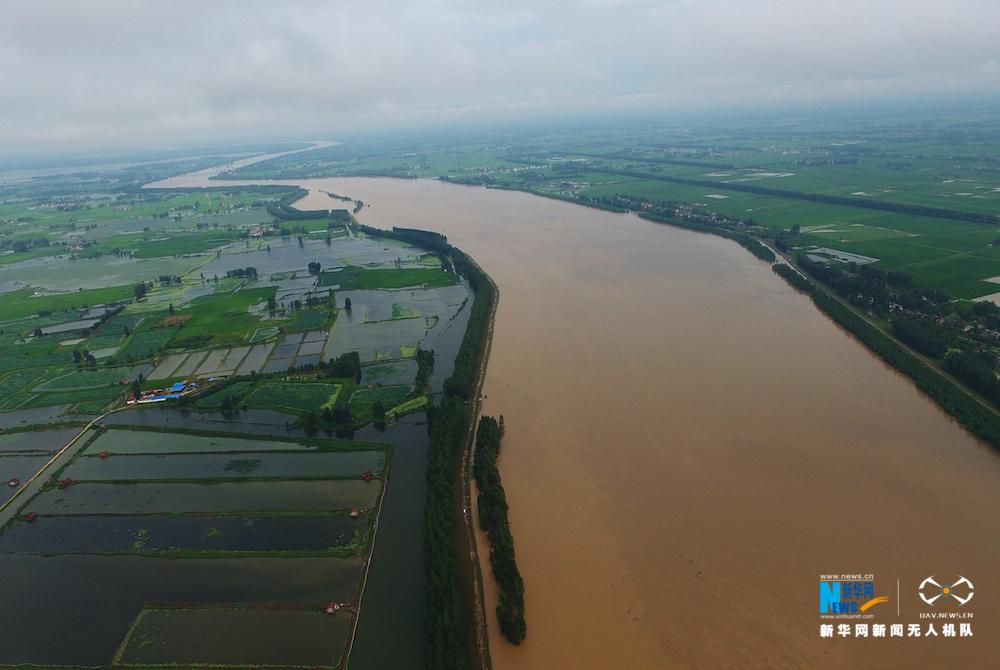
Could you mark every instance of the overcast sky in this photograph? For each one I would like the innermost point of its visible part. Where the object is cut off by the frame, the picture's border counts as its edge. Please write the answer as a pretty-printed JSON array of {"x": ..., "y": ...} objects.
[{"x": 132, "y": 72}]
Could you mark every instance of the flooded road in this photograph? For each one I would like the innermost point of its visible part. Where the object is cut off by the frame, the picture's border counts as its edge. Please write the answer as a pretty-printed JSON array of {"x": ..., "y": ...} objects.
[{"x": 690, "y": 444}]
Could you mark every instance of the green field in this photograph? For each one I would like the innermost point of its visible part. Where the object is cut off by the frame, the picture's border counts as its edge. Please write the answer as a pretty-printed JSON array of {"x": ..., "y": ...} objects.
[
  {"x": 224, "y": 317},
  {"x": 412, "y": 405},
  {"x": 262, "y": 334},
  {"x": 298, "y": 397},
  {"x": 22, "y": 303},
  {"x": 145, "y": 343},
  {"x": 161, "y": 243},
  {"x": 88, "y": 378},
  {"x": 307, "y": 319},
  {"x": 366, "y": 278},
  {"x": 35, "y": 353},
  {"x": 214, "y": 399}
]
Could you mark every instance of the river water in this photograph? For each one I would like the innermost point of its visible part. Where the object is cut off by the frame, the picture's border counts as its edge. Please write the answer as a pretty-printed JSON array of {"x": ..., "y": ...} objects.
[{"x": 690, "y": 444}]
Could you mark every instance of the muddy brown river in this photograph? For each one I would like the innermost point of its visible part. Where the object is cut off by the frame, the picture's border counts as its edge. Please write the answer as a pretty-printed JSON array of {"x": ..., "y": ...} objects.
[{"x": 690, "y": 444}]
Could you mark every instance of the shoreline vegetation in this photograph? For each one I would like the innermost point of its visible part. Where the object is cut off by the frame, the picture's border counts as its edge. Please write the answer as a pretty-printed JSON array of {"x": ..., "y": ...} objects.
[
  {"x": 975, "y": 416},
  {"x": 493, "y": 519},
  {"x": 447, "y": 632},
  {"x": 445, "y": 623}
]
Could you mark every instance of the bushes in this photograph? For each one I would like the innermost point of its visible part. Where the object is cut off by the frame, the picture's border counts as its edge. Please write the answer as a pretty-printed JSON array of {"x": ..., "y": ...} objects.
[
  {"x": 425, "y": 366},
  {"x": 344, "y": 365},
  {"x": 921, "y": 336},
  {"x": 445, "y": 625},
  {"x": 493, "y": 519},
  {"x": 975, "y": 371}
]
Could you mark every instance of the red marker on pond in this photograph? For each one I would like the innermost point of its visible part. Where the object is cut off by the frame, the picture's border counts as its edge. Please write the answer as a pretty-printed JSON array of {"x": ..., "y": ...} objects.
[{"x": 31, "y": 517}]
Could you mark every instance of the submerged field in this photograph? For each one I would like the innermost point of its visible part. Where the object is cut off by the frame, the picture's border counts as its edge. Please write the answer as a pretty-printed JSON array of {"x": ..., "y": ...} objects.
[
  {"x": 248, "y": 299},
  {"x": 256, "y": 506},
  {"x": 224, "y": 512}
]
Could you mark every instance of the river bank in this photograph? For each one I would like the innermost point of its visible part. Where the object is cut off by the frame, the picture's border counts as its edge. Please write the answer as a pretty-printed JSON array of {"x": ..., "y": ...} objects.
[{"x": 691, "y": 443}]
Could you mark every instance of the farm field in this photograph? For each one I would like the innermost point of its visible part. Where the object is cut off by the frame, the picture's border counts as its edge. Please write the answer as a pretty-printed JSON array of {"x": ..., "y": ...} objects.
[
  {"x": 257, "y": 458},
  {"x": 283, "y": 496},
  {"x": 122, "y": 441},
  {"x": 306, "y": 397},
  {"x": 248, "y": 331},
  {"x": 919, "y": 194},
  {"x": 235, "y": 636},
  {"x": 308, "y": 465},
  {"x": 232, "y": 499},
  {"x": 365, "y": 278}
]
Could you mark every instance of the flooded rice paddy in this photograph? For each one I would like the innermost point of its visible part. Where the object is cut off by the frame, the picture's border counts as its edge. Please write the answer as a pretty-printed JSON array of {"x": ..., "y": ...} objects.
[
  {"x": 271, "y": 496},
  {"x": 38, "y": 441},
  {"x": 247, "y": 636},
  {"x": 93, "y": 600},
  {"x": 260, "y": 509},
  {"x": 391, "y": 324},
  {"x": 178, "y": 534},
  {"x": 119, "y": 441},
  {"x": 315, "y": 465},
  {"x": 403, "y": 372}
]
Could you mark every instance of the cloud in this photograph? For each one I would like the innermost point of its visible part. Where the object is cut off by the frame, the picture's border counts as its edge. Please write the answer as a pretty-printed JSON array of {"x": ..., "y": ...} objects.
[{"x": 147, "y": 73}]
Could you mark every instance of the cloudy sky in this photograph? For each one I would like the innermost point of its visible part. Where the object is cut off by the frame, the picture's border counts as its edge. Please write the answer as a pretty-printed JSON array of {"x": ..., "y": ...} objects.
[{"x": 147, "y": 73}]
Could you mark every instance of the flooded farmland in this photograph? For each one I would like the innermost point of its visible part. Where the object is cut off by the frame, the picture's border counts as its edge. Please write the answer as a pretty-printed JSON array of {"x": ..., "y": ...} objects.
[
  {"x": 690, "y": 444},
  {"x": 234, "y": 466},
  {"x": 93, "y": 623},
  {"x": 177, "y": 534}
]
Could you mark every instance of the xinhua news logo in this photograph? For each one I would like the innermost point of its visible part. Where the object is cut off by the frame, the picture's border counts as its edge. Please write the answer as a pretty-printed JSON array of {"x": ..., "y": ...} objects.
[{"x": 848, "y": 595}]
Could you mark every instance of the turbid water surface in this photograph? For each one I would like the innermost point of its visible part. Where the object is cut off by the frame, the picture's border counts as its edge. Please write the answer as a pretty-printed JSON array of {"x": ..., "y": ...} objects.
[{"x": 690, "y": 444}]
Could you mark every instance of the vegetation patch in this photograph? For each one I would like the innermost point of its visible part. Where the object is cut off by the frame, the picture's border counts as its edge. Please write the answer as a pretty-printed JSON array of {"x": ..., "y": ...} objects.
[
  {"x": 217, "y": 399},
  {"x": 408, "y": 407},
  {"x": 493, "y": 520},
  {"x": 387, "y": 394},
  {"x": 25, "y": 302},
  {"x": 146, "y": 343},
  {"x": 404, "y": 311},
  {"x": 298, "y": 397},
  {"x": 367, "y": 278},
  {"x": 225, "y": 317},
  {"x": 88, "y": 378},
  {"x": 263, "y": 334},
  {"x": 308, "y": 319}
]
